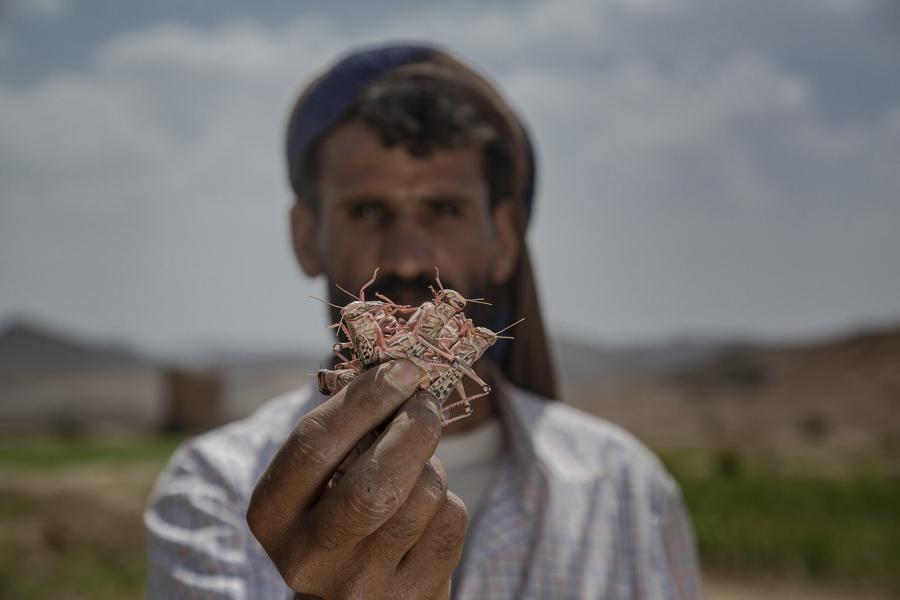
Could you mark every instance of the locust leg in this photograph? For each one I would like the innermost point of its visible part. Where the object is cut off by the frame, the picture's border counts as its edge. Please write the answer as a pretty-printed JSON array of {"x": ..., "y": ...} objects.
[
  {"x": 379, "y": 337},
  {"x": 447, "y": 342},
  {"x": 340, "y": 354},
  {"x": 465, "y": 399},
  {"x": 437, "y": 278},
  {"x": 434, "y": 346},
  {"x": 399, "y": 353},
  {"x": 467, "y": 412},
  {"x": 467, "y": 370},
  {"x": 381, "y": 355},
  {"x": 466, "y": 328},
  {"x": 362, "y": 290},
  {"x": 338, "y": 348},
  {"x": 444, "y": 384},
  {"x": 404, "y": 310},
  {"x": 340, "y": 325},
  {"x": 390, "y": 305}
]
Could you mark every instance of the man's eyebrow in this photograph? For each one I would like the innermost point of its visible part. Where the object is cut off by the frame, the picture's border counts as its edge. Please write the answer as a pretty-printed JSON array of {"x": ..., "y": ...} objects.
[
  {"x": 453, "y": 197},
  {"x": 361, "y": 198},
  {"x": 364, "y": 197}
]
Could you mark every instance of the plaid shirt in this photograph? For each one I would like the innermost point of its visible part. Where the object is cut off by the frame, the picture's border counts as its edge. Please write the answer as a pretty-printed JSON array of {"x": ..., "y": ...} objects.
[{"x": 578, "y": 509}]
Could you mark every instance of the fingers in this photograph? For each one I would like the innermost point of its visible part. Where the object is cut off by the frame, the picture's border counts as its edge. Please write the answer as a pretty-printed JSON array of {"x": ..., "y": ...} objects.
[
  {"x": 391, "y": 541},
  {"x": 430, "y": 562},
  {"x": 380, "y": 480},
  {"x": 319, "y": 442}
]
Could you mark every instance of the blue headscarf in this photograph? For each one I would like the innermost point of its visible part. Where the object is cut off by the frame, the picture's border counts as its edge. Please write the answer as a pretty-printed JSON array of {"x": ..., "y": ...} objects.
[{"x": 327, "y": 99}]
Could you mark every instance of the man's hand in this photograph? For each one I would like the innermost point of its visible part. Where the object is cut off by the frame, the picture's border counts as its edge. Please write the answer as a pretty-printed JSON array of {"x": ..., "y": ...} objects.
[{"x": 389, "y": 528}]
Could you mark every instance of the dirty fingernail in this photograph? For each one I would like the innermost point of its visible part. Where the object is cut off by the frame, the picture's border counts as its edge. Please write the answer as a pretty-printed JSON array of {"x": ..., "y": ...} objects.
[
  {"x": 404, "y": 375},
  {"x": 431, "y": 403}
]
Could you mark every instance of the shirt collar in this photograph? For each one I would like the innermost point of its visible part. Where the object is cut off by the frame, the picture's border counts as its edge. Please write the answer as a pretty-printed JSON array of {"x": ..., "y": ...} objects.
[{"x": 544, "y": 436}]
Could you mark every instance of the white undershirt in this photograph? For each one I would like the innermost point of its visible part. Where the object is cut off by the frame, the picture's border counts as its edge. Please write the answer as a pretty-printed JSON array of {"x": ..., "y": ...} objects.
[{"x": 470, "y": 458}]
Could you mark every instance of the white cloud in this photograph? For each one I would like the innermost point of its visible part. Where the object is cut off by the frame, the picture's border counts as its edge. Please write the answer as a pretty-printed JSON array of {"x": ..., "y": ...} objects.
[
  {"x": 144, "y": 194},
  {"x": 47, "y": 9}
]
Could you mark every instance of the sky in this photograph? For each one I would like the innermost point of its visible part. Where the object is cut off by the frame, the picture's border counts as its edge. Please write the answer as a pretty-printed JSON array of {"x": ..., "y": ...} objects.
[{"x": 708, "y": 168}]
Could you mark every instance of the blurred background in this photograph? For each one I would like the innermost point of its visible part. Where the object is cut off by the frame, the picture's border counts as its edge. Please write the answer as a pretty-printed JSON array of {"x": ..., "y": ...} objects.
[{"x": 717, "y": 239}]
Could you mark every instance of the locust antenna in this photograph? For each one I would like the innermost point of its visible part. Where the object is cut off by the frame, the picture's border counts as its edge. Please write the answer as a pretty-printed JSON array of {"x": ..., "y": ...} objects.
[
  {"x": 437, "y": 277},
  {"x": 510, "y": 326},
  {"x": 478, "y": 301},
  {"x": 505, "y": 337},
  {"x": 362, "y": 290},
  {"x": 381, "y": 296},
  {"x": 345, "y": 291},
  {"x": 328, "y": 303}
]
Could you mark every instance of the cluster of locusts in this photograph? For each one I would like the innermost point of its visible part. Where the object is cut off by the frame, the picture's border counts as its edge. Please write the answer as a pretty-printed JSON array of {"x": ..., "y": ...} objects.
[{"x": 437, "y": 336}]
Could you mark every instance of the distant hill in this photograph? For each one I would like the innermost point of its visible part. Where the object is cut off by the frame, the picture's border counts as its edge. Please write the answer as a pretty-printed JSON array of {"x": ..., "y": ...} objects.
[
  {"x": 579, "y": 363},
  {"x": 839, "y": 396},
  {"x": 52, "y": 381},
  {"x": 26, "y": 347}
]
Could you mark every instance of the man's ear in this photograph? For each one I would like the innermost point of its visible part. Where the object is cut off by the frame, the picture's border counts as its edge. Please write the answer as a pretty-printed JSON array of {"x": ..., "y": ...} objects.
[
  {"x": 507, "y": 244},
  {"x": 303, "y": 235}
]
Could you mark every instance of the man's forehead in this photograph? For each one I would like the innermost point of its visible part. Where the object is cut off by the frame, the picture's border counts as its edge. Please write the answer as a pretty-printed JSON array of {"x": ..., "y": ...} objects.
[{"x": 353, "y": 156}]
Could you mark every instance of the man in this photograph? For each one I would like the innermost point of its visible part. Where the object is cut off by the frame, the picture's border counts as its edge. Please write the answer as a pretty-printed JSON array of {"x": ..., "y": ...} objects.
[{"x": 403, "y": 158}]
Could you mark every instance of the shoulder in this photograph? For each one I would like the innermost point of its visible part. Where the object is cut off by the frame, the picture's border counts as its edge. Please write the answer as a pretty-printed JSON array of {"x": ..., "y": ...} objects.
[
  {"x": 198, "y": 541},
  {"x": 231, "y": 458},
  {"x": 576, "y": 447}
]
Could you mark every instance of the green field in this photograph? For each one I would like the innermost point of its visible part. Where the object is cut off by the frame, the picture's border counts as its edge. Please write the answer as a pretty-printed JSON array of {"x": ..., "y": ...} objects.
[
  {"x": 70, "y": 515},
  {"x": 828, "y": 531},
  {"x": 38, "y": 453},
  {"x": 70, "y": 519},
  {"x": 750, "y": 522}
]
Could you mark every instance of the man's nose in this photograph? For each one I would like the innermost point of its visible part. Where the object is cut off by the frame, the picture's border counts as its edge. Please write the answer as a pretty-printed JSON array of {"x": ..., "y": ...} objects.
[{"x": 406, "y": 249}]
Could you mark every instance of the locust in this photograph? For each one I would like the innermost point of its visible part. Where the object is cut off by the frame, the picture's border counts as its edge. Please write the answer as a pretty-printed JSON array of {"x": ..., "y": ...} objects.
[
  {"x": 431, "y": 319},
  {"x": 472, "y": 347},
  {"x": 331, "y": 381},
  {"x": 433, "y": 316},
  {"x": 455, "y": 328},
  {"x": 437, "y": 336},
  {"x": 361, "y": 327},
  {"x": 467, "y": 351},
  {"x": 367, "y": 323}
]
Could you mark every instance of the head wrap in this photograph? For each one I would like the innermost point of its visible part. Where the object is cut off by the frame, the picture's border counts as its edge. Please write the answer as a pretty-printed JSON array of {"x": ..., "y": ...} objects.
[{"x": 327, "y": 98}]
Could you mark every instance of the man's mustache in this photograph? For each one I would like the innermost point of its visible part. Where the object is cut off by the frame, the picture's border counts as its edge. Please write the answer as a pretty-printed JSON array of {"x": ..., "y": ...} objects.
[{"x": 400, "y": 289}]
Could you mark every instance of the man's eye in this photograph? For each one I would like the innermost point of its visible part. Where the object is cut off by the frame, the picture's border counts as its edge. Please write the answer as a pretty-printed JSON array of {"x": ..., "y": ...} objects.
[
  {"x": 442, "y": 208},
  {"x": 366, "y": 210}
]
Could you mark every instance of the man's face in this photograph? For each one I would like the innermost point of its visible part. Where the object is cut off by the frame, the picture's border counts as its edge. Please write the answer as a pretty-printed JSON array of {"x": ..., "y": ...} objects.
[{"x": 381, "y": 207}]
